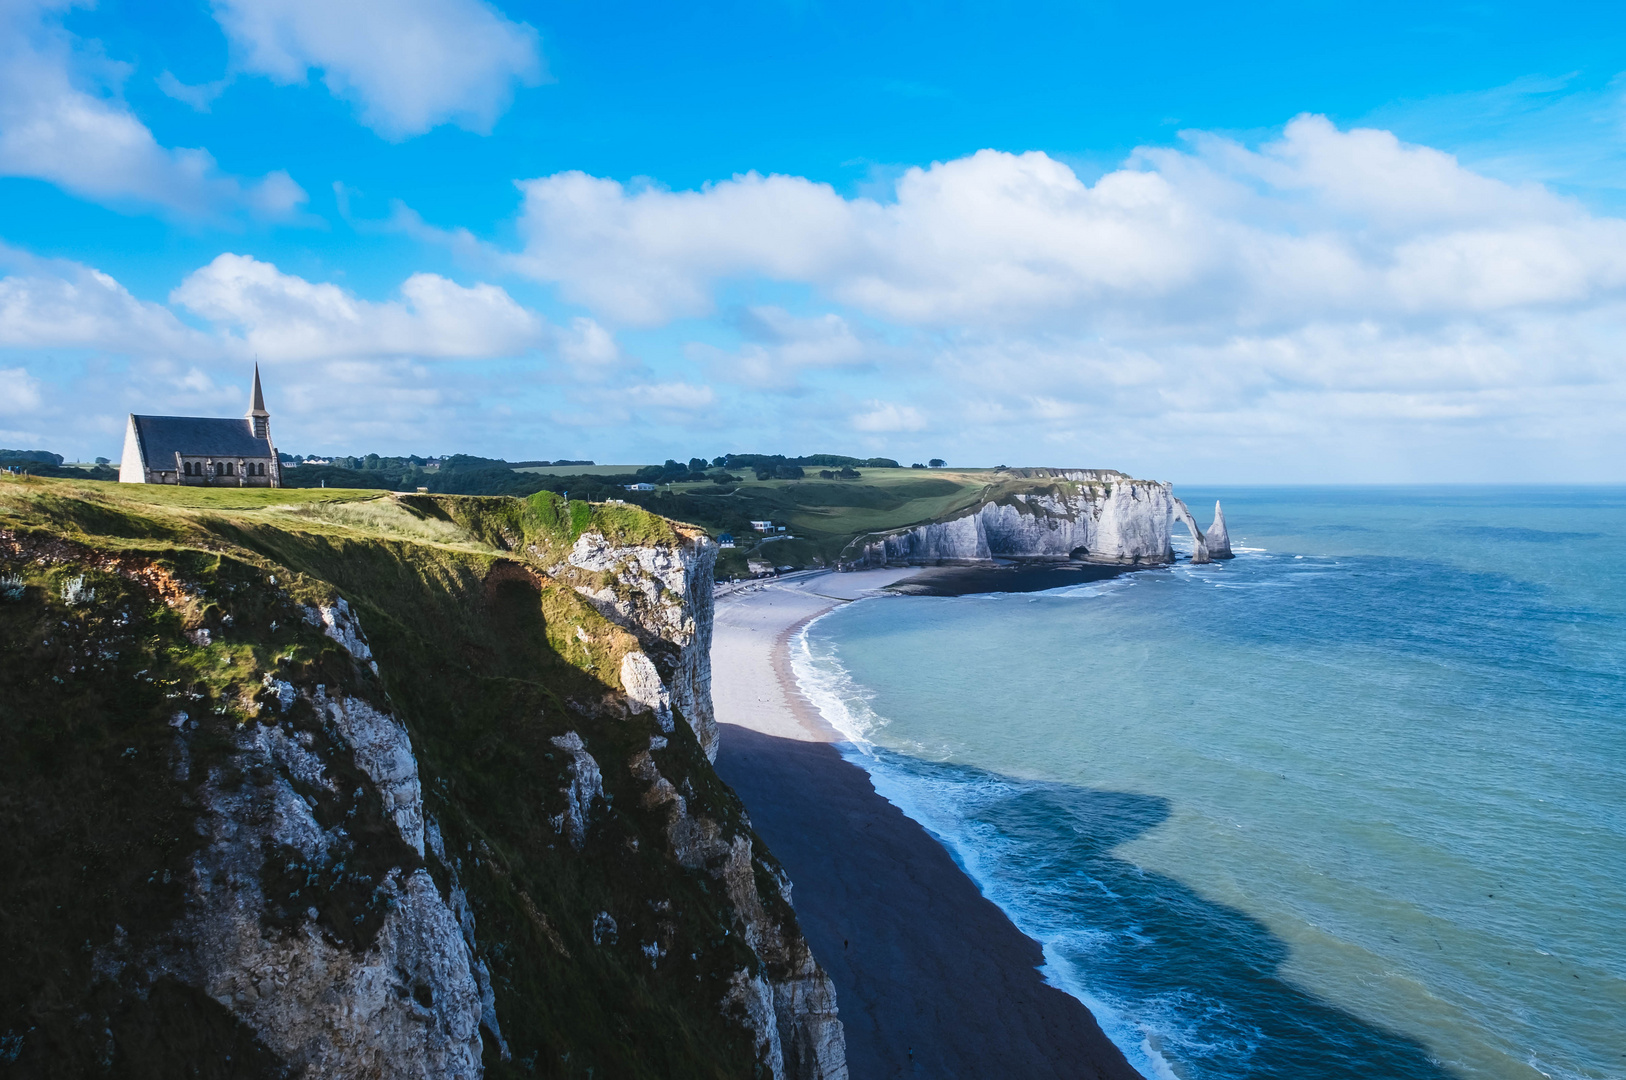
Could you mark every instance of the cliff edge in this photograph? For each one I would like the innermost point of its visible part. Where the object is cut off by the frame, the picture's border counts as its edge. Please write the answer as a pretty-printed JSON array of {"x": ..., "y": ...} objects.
[{"x": 315, "y": 784}]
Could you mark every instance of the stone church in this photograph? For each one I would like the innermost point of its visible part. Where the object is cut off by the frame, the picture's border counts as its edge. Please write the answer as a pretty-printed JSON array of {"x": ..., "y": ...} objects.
[{"x": 202, "y": 451}]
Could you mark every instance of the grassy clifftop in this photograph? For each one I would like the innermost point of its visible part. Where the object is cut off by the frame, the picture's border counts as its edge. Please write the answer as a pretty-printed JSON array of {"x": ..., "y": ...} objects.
[{"x": 120, "y": 605}]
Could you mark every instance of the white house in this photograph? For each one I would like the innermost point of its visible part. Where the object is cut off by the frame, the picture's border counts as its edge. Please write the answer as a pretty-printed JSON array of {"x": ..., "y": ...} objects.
[
  {"x": 640, "y": 487},
  {"x": 762, "y": 526}
]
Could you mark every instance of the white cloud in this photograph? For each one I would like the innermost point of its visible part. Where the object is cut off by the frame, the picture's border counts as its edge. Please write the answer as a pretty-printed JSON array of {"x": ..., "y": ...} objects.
[
  {"x": 342, "y": 372},
  {"x": 409, "y": 65},
  {"x": 19, "y": 392},
  {"x": 50, "y": 304},
  {"x": 60, "y": 123},
  {"x": 588, "y": 345},
  {"x": 780, "y": 346},
  {"x": 679, "y": 396},
  {"x": 1318, "y": 223},
  {"x": 883, "y": 416},
  {"x": 1336, "y": 289},
  {"x": 200, "y": 97},
  {"x": 647, "y": 256},
  {"x": 283, "y": 316}
]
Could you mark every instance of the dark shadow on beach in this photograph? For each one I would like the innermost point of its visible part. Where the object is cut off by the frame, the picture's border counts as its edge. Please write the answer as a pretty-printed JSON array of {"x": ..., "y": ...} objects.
[
  {"x": 1003, "y": 578},
  {"x": 933, "y": 980}
]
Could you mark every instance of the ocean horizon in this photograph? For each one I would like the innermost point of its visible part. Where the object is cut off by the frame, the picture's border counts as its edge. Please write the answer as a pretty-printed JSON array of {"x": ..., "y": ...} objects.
[{"x": 1352, "y": 804}]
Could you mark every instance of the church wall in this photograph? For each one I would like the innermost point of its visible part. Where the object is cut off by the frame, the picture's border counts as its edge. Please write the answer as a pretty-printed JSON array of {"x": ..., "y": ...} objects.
[{"x": 132, "y": 470}]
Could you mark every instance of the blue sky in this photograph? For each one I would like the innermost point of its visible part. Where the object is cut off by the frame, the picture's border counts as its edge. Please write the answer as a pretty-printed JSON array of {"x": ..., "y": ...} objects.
[{"x": 1312, "y": 242}]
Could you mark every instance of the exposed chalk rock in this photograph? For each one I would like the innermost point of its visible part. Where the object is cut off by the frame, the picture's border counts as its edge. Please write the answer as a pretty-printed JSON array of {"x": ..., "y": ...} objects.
[
  {"x": 1219, "y": 540},
  {"x": 663, "y": 594},
  {"x": 1096, "y": 516},
  {"x": 403, "y": 1004},
  {"x": 1108, "y": 520},
  {"x": 384, "y": 752},
  {"x": 1199, "y": 546},
  {"x": 341, "y": 624},
  {"x": 643, "y": 684},
  {"x": 586, "y": 784}
]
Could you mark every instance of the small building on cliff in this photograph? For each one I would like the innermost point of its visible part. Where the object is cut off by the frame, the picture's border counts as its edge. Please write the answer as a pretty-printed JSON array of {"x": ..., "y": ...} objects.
[{"x": 202, "y": 451}]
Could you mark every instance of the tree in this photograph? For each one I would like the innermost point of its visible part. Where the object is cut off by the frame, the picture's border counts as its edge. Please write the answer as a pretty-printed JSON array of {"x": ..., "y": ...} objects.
[
  {"x": 103, "y": 461},
  {"x": 938, "y": 463},
  {"x": 698, "y": 464}
]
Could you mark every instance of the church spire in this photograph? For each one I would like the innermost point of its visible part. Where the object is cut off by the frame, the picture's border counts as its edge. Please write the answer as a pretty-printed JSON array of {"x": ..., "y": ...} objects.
[{"x": 258, "y": 418}]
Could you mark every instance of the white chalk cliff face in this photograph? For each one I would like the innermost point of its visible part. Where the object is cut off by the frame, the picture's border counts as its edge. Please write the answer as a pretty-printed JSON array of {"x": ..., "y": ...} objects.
[
  {"x": 310, "y": 914},
  {"x": 663, "y": 594},
  {"x": 1088, "y": 516}
]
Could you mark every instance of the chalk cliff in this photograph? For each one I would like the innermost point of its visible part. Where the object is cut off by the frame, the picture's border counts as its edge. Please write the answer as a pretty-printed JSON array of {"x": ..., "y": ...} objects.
[
  {"x": 288, "y": 798},
  {"x": 1095, "y": 516},
  {"x": 1217, "y": 538}
]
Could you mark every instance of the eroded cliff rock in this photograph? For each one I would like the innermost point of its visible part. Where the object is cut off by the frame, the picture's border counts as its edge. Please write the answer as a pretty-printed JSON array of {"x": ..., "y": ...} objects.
[
  {"x": 1101, "y": 517},
  {"x": 663, "y": 594},
  {"x": 1217, "y": 538}
]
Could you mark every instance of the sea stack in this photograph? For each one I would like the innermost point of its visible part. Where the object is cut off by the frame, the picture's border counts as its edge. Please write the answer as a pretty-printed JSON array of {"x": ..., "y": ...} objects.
[{"x": 1216, "y": 538}]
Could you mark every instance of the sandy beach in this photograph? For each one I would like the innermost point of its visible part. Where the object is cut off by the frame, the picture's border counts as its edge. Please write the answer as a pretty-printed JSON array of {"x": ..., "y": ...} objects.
[{"x": 931, "y": 978}]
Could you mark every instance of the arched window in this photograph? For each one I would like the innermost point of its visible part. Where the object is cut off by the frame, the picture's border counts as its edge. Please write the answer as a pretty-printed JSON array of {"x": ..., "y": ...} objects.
[{"x": 187, "y": 467}]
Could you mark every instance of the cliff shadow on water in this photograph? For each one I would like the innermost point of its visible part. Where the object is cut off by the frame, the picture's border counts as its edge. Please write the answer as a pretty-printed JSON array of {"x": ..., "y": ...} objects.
[
  {"x": 379, "y": 787},
  {"x": 1208, "y": 975}
]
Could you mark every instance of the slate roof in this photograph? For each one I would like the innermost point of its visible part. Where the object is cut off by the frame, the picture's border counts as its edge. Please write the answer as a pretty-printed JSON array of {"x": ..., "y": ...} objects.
[{"x": 162, "y": 437}]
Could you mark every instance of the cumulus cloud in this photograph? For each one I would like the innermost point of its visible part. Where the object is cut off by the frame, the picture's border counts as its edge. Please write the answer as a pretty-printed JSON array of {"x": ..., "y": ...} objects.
[
  {"x": 284, "y": 316},
  {"x": 780, "y": 346},
  {"x": 344, "y": 371},
  {"x": 46, "y": 303},
  {"x": 61, "y": 121},
  {"x": 1325, "y": 286},
  {"x": 19, "y": 392},
  {"x": 1317, "y": 223},
  {"x": 409, "y": 65},
  {"x": 883, "y": 416}
]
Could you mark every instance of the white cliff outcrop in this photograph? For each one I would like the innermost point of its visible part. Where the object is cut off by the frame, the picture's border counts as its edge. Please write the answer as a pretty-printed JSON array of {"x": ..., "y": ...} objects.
[
  {"x": 1094, "y": 516},
  {"x": 663, "y": 594},
  {"x": 1217, "y": 538},
  {"x": 330, "y": 941}
]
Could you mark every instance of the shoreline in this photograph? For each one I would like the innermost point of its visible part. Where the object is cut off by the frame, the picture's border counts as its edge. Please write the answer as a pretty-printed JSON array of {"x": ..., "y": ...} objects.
[{"x": 932, "y": 978}]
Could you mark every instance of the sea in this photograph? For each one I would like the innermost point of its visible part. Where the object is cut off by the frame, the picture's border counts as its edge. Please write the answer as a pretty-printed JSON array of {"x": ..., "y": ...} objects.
[{"x": 1352, "y": 804}]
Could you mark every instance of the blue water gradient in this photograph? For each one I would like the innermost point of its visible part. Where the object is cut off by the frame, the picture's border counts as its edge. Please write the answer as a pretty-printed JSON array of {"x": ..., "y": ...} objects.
[{"x": 1351, "y": 805}]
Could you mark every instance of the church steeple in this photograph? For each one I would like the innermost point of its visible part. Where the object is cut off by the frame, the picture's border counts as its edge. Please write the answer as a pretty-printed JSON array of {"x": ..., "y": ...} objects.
[{"x": 258, "y": 418}]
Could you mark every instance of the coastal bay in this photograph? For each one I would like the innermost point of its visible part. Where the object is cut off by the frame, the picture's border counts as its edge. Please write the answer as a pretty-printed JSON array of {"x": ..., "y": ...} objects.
[{"x": 932, "y": 979}]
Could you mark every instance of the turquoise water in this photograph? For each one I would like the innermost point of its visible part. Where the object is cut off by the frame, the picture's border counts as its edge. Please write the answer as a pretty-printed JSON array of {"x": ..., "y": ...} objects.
[{"x": 1351, "y": 805}]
